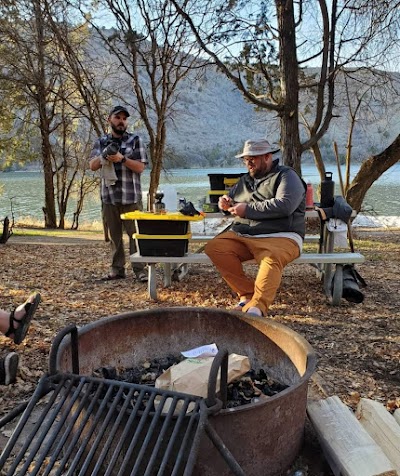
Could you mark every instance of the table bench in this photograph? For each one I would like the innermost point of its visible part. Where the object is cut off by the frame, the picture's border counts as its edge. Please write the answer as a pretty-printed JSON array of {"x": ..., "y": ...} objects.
[{"x": 322, "y": 261}]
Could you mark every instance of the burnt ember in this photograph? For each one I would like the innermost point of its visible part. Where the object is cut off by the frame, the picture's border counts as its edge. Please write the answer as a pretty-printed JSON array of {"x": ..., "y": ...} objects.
[{"x": 250, "y": 388}]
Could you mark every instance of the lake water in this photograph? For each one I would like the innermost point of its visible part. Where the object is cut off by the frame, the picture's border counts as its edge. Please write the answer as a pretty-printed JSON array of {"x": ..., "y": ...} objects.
[{"x": 26, "y": 191}]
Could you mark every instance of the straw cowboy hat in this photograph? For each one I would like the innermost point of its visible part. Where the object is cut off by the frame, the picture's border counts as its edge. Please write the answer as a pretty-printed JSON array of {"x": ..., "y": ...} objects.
[{"x": 257, "y": 147}]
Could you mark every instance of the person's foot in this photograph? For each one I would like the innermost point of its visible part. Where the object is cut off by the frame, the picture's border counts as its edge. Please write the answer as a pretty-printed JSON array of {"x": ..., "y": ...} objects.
[
  {"x": 20, "y": 318},
  {"x": 9, "y": 368},
  {"x": 20, "y": 311},
  {"x": 142, "y": 275},
  {"x": 240, "y": 305},
  {"x": 255, "y": 311}
]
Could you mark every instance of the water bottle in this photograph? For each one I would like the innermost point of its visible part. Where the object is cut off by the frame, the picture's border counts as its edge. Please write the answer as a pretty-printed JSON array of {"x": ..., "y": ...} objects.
[
  {"x": 170, "y": 198},
  {"x": 309, "y": 196},
  {"x": 327, "y": 191}
]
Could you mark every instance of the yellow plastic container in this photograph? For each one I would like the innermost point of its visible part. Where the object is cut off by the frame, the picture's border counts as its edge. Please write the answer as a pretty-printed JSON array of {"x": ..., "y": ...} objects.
[
  {"x": 230, "y": 182},
  {"x": 175, "y": 216},
  {"x": 217, "y": 192},
  {"x": 148, "y": 223}
]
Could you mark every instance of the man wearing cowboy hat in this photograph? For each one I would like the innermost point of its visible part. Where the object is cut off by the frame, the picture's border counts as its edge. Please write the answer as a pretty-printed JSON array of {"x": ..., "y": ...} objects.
[{"x": 268, "y": 205}]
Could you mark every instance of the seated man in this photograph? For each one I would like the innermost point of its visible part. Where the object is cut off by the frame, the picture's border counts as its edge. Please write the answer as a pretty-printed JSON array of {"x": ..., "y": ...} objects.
[
  {"x": 268, "y": 204},
  {"x": 15, "y": 326}
]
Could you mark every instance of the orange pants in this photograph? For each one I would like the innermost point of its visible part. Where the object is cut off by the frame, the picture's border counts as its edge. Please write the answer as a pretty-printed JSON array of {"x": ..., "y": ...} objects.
[{"x": 228, "y": 251}]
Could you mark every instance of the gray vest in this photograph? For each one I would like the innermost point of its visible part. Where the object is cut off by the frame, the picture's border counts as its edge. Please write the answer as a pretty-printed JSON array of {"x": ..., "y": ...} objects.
[{"x": 247, "y": 190}]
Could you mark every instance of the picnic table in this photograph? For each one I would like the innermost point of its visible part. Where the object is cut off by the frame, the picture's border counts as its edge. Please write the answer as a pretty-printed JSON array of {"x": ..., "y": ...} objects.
[{"x": 328, "y": 263}]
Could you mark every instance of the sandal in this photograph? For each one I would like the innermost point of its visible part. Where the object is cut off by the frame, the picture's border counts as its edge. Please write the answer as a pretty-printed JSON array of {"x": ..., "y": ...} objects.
[{"x": 21, "y": 331}]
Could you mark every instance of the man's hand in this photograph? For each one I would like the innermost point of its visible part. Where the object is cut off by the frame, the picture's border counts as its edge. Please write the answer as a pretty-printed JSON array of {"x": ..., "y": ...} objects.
[
  {"x": 115, "y": 158},
  {"x": 239, "y": 210},
  {"x": 224, "y": 202}
]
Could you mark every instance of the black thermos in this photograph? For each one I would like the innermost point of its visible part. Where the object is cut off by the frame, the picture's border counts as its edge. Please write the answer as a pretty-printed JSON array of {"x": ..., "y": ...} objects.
[{"x": 327, "y": 191}]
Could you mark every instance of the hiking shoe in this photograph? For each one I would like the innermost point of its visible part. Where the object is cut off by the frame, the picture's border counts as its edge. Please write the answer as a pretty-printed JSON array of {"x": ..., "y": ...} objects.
[
  {"x": 142, "y": 275},
  {"x": 9, "y": 368}
]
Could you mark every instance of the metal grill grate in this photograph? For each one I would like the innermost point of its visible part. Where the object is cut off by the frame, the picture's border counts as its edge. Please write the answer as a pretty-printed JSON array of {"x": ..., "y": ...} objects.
[
  {"x": 78, "y": 425},
  {"x": 92, "y": 426}
]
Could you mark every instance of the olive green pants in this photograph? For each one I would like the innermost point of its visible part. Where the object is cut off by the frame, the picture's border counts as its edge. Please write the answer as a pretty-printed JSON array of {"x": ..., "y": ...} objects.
[
  {"x": 112, "y": 215},
  {"x": 228, "y": 251}
]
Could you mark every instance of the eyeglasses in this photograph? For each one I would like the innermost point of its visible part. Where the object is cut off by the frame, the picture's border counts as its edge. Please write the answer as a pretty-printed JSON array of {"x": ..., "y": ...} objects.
[{"x": 246, "y": 160}]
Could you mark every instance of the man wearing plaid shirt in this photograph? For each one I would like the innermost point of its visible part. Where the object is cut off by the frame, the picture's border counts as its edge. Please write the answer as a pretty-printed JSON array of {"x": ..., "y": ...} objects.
[{"x": 121, "y": 158}]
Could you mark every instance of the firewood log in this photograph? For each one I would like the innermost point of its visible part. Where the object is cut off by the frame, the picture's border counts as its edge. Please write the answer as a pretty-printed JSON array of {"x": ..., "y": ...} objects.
[
  {"x": 383, "y": 428},
  {"x": 397, "y": 415},
  {"x": 348, "y": 448}
]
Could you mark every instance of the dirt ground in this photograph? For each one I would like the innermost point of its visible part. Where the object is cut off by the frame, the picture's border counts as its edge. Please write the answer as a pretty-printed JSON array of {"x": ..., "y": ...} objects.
[{"x": 357, "y": 344}]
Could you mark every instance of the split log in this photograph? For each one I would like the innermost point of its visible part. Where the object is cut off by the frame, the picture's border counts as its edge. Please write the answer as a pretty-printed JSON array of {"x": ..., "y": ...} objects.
[
  {"x": 397, "y": 415},
  {"x": 348, "y": 448},
  {"x": 383, "y": 428}
]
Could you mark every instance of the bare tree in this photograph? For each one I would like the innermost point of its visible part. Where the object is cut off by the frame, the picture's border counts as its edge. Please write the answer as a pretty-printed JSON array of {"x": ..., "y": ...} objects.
[
  {"x": 60, "y": 90},
  {"x": 154, "y": 48},
  {"x": 82, "y": 64},
  {"x": 367, "y": 96},
  {"x": 274, "y": 52},
  {"x": 370, "y": 170},
  {"x": 28, "y": 64},
  {"x": 87, "y": 73}
]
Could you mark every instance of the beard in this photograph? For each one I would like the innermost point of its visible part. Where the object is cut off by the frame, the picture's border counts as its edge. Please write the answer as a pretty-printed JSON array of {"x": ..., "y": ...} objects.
[
  {"x": 256, "y": 173},
  {"x": 119, "y": 130}
]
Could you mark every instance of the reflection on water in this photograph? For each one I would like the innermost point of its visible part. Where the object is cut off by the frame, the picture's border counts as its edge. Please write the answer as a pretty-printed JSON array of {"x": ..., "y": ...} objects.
[{"x": 27, "y": 191}]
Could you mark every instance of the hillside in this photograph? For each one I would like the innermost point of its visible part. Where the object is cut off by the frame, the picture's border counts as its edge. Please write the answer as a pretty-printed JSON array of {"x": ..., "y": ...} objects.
[{"x": 212, "y": 119}]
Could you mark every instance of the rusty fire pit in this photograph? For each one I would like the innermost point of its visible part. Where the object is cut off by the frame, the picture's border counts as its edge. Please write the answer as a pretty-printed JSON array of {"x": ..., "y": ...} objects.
[{"x": 264, "y": 437}]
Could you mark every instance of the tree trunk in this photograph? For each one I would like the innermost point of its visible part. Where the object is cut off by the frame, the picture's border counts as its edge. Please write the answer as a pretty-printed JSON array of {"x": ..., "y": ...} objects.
[
  {"x": 319, "y": 161},
  {"x": 157, "y": 147},
  {"x": 290, "y": 139},
  {"x": 50, "y": 215},
  {"x": 41, "y": 99},
  {"x": 370, "y": 171}
]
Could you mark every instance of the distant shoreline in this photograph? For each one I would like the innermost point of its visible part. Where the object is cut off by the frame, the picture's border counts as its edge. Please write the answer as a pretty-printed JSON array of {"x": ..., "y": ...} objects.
[{"x": 95, "y": 228}]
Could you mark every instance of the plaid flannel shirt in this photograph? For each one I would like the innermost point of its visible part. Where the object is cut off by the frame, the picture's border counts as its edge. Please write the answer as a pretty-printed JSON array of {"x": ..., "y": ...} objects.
[{"x": 127, "y": 189}]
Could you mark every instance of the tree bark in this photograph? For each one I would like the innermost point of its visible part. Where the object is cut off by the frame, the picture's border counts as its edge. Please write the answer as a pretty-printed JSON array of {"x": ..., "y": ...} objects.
[
  {"x": 41, "y": 98},
  {"x": 370, "y": 171},
  {"x": 289, "y": 119}
]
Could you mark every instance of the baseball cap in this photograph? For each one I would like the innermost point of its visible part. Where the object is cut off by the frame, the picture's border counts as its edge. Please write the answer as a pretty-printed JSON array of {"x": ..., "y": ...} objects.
[{"x": 118, "y": 109}]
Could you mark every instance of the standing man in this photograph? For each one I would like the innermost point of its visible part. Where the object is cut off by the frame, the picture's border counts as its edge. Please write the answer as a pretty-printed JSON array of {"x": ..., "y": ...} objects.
[
  {"x": 121, "y": 158},
  {"x": 268, "y": 205}
]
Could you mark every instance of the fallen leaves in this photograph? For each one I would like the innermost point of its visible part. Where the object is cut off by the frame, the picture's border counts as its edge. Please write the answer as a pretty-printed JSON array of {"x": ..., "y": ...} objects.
[{"x": 357, "y": 344}]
